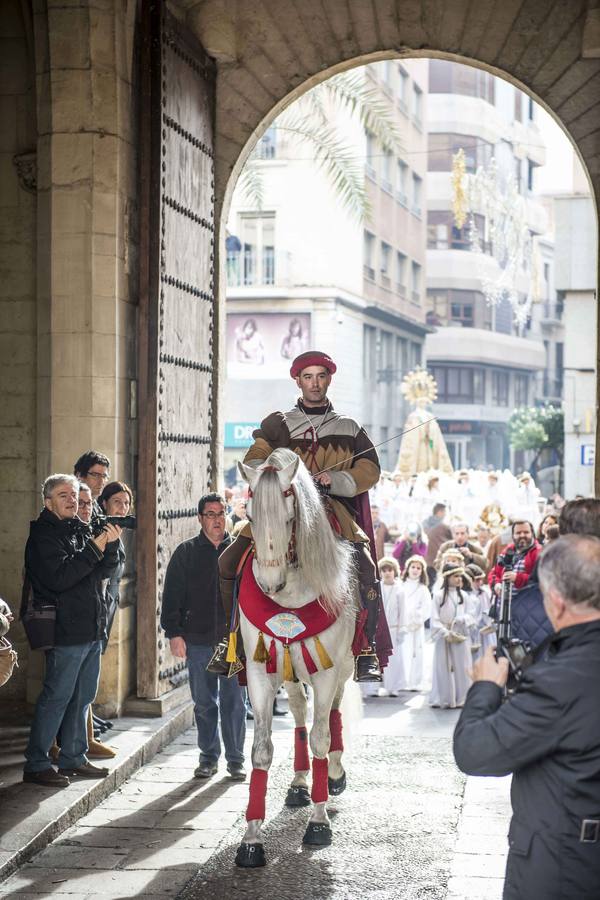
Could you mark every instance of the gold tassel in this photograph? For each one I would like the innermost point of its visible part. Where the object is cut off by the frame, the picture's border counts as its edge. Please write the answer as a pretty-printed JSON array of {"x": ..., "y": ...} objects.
[
  {"x": 288, "y": 671},
  {"x": 322, "y": 653},
  {"x": 260, "y": 653},
  {"x": 231, "y": 648}
]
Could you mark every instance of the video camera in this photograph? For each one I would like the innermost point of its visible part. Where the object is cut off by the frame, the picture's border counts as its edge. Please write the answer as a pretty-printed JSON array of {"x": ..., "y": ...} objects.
[{"x": 518, "y": 653}]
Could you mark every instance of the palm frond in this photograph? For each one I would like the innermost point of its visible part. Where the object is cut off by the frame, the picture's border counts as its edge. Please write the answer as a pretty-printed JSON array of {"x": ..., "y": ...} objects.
[
  {"x": 335, "y": 158},
  {"x": 251, "y": 183},
  {"x": 377, "y": 115}
]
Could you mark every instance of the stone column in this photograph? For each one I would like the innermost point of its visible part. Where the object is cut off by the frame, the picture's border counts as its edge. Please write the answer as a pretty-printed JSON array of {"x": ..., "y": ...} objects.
[{"x": 86, "y": 298}]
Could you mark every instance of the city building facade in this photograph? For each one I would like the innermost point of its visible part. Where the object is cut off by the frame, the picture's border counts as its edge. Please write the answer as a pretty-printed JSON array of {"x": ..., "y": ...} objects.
[
  {"x": 485, "y": 363},
  {"x": 304, "y": 273}
]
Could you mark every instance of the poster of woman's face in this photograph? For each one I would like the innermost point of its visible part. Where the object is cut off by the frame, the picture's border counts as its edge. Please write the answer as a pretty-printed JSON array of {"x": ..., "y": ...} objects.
[{"x": 263, "y": 345}]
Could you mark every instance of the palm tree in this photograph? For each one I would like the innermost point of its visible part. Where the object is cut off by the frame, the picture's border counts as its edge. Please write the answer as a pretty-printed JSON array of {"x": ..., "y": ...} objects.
[{"x": 311, "y": 121}]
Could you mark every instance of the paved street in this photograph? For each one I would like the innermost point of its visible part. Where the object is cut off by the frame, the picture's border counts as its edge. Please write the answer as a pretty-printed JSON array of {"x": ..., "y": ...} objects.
[{"x": 405, "y": 828}]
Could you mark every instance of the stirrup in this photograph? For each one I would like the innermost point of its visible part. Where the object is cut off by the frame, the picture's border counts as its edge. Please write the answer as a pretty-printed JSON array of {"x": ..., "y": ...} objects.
[
  {"x": 366, "y": 667},
  {"x": 218, "y": 664}
]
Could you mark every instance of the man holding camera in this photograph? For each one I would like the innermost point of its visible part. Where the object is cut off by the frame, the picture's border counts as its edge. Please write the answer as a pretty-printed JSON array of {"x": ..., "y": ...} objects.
[
  {"x": 518, "y": 559},
  {"x": 547, "y": 735},
  {"x": 66, "y": 566}
]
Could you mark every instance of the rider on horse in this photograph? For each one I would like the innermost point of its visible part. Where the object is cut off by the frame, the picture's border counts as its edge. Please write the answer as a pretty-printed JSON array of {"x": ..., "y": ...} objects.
[{"x": 341, "y": 457}]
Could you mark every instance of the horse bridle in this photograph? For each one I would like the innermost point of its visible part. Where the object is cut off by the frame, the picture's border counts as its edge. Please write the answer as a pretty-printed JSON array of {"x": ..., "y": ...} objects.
[{"x": 291, "y": 556}]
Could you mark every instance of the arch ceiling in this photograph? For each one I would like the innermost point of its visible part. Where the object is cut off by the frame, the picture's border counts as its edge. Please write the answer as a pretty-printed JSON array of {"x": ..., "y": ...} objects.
[{"x": 269, "y": 51}]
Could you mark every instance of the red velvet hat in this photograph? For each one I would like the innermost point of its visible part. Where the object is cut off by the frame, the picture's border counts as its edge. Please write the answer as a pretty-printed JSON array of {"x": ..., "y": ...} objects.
[{"x": 312, "y": 358}]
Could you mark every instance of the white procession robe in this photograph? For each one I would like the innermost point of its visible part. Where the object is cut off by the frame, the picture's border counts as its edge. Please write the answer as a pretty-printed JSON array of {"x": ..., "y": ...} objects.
[
  {"x": 451, "y": 662},
  {"x": 393, "y": 674},
  {"x": 416, "y": 609}
]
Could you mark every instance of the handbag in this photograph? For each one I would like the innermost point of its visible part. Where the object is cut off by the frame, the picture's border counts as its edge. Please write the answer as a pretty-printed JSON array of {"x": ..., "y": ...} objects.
[
  {"x": 39, "y": 619},
  {"x": 8, "y": 660}
]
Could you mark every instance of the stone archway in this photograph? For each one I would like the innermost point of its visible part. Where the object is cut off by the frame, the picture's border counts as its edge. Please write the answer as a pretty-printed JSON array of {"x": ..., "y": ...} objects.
[{"x": 268, "y": 54}]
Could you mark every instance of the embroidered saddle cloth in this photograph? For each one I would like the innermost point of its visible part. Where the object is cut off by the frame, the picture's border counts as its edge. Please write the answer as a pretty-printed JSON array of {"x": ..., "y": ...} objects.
[{"x": 286, "y": 625}]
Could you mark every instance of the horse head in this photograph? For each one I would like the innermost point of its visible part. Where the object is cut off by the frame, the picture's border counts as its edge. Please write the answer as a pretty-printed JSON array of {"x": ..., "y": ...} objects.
[{"x": 271, "y": 509}]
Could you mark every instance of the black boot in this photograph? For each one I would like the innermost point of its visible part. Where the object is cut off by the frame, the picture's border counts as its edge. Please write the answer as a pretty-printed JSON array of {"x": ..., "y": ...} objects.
[{"x": 366, "y": 667}]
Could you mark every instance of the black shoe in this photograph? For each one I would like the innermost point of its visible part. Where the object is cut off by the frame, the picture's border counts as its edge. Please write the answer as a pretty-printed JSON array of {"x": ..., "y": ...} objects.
[
  {"x": 366, "y": 668},
  {"x": 249, "y": 714},
  {"x": 47, "y": 778},
  {"x": 236, "y": 771},
  {"x": 87, "y": 770},
  {"x": 277, "y": 711},
  {"x": 205, "y": 770}
]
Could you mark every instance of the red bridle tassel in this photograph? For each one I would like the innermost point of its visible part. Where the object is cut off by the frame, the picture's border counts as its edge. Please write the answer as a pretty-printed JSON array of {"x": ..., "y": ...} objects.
[
  {"x": 272, "y": 660},
  {"x": 309, "y": 662}
]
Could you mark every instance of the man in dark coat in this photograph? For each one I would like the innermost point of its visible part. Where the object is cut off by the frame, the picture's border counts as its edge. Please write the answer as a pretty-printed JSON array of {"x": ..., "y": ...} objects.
[
  {"x": 548, "y": 736},
  {"x": 67, "y": 567},
  {"x": 194, "y": 621}
]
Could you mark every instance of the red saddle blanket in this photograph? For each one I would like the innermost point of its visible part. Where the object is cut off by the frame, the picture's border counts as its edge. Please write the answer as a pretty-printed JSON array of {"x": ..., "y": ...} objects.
[{"x": 260, "y": 610}]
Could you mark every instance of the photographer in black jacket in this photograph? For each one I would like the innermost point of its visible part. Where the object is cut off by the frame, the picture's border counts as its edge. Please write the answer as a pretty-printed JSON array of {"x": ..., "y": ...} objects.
[
  {"x": 547, "y": 735},
  {"x": 66, "y": 567},
  {"x": 194, "y": 621}
]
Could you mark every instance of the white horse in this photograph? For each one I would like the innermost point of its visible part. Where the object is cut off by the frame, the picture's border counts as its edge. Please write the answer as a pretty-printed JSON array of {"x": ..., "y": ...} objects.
[{"x": 297, "y": 558}]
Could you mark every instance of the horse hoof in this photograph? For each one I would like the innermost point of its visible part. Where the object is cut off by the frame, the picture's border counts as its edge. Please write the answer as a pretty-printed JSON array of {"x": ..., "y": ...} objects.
[
  {"x": 250, "y": 856},
  {"x": 297, "y": 796},
  {"x": 337, "y": 786},
  {"x": 317, "y": 835}
]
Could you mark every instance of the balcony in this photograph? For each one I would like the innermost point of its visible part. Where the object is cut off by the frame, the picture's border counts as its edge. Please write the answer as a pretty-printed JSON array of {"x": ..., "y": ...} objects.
[
  {"x": 551, "y": 314},
  {"x": 549, "y": 386},
  {"x": 253, "y": 268}
]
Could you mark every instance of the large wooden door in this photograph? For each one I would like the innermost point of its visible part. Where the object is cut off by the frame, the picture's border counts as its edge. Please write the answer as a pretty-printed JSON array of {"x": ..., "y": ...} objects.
[{"x": 177, "y": 315}]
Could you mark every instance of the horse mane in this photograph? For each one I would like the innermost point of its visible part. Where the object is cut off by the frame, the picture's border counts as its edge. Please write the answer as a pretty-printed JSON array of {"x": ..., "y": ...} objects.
[{"x": 325, "y": 559}]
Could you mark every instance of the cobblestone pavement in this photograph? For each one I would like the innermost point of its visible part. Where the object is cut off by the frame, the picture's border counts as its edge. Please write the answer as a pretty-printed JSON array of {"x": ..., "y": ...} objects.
[{"x": 401, "y": 830}]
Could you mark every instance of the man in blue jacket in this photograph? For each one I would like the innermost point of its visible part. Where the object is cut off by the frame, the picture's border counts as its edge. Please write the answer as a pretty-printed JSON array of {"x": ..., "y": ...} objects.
[
  {"x": 67, "y": 566},
  {"x": 548, "y": 735},
  {"x": 194, "y": 621}
]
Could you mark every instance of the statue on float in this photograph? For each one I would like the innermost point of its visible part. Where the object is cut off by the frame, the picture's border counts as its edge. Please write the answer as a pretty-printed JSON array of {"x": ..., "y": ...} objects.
[{"x": 422, "y": 448}]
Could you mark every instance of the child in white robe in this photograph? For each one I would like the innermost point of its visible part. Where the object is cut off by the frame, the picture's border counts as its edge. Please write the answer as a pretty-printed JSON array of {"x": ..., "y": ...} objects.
[
  {"x": 451, "y": 620},
  {"x": 393, "y": 674},
  {"x": 416, "y": 609},
  {"x": 485, "y": 623}
]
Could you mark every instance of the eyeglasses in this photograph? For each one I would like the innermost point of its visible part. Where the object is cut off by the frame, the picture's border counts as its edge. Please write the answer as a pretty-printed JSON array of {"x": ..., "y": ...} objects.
[
  {"x": 213, "y": 515},
  {"x": 102, "y": 475}
]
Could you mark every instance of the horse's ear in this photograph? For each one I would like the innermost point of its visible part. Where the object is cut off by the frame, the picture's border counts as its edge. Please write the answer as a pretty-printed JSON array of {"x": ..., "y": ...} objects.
[
  {"x": 249, "y": 474},
  {"x": 287, "y": 475}
]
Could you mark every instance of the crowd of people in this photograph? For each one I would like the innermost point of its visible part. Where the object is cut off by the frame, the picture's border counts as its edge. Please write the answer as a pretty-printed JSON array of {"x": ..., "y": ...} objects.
[{"x": 443, "y": 564}]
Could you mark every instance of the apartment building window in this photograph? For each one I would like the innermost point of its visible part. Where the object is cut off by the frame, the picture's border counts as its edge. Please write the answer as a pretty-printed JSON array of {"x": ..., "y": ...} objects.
[
  {"x": 518, "y": 105},
  {"x": 370, "y": 354},
  {"x": 443, "y": 146},
  {"x": 499, "y": 388},
  {"x": 459, "y": 384},
  {"x": 417, "y": 195},
  {"x": 257, "y": 236},
  {"x": 387, "y": 171},
  {"x": 267, "y": 145},
  {"x": 415, "y": 352},
  {"x": 403, "y": 82},
  {"x": 417, "y": 107},
  {"x": 446, "y": 77},
  {"x": 530, "y": 174},
  {"x": 521, "y": 390},
  {"x": 416, "y": 282},
  {"x": 531, "y": 109},
  {"x": 400, "y": 274},
  {"x": 386, "y": 359},
  {"x": 385, "y": 263},
  {"x": 369, "y": 258},
  {"x": 370, "y": 164},
  {"x": 402, "y": 356},
  {"x": 442, "y": 233},
  {"x": 462, "y": 314},
  {"x": 402, "y": 182},
  {"x": 387, "y": 75}
]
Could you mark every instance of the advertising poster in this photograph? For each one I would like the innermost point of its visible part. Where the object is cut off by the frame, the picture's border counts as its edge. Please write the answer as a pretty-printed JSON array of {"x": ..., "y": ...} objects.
[{"x": 263, "y": 345}]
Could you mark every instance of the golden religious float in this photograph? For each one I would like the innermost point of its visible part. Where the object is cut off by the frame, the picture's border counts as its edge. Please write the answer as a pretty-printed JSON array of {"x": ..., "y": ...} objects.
[{"x": 422, "y": 448}]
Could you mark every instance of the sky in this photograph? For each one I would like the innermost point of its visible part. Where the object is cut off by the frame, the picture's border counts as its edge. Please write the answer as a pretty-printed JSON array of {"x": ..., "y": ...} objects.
[{"x": 557, "y": 175}]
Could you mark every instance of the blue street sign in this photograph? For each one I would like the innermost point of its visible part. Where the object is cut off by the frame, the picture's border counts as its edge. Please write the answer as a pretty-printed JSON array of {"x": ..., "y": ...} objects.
[{"x": 588, "y": 454}]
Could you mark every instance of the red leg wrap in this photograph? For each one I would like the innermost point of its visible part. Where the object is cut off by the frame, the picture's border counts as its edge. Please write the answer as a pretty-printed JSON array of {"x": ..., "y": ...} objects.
[
  {"x": 301, "y": 758},
  {"x": 335, "y": 727},
  {"x": 320, "y": 790},
  {"x": 258, "y": 793}
]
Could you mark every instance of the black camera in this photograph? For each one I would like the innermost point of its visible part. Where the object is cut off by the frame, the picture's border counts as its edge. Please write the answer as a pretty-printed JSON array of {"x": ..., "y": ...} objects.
[
  {"x": 99, "y": 523},
  {"x": 518, "y": 653}
]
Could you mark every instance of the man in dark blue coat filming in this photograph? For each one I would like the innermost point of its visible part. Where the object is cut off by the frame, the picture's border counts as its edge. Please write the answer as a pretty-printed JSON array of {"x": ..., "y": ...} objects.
[{"x": 548, "y": 735}]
